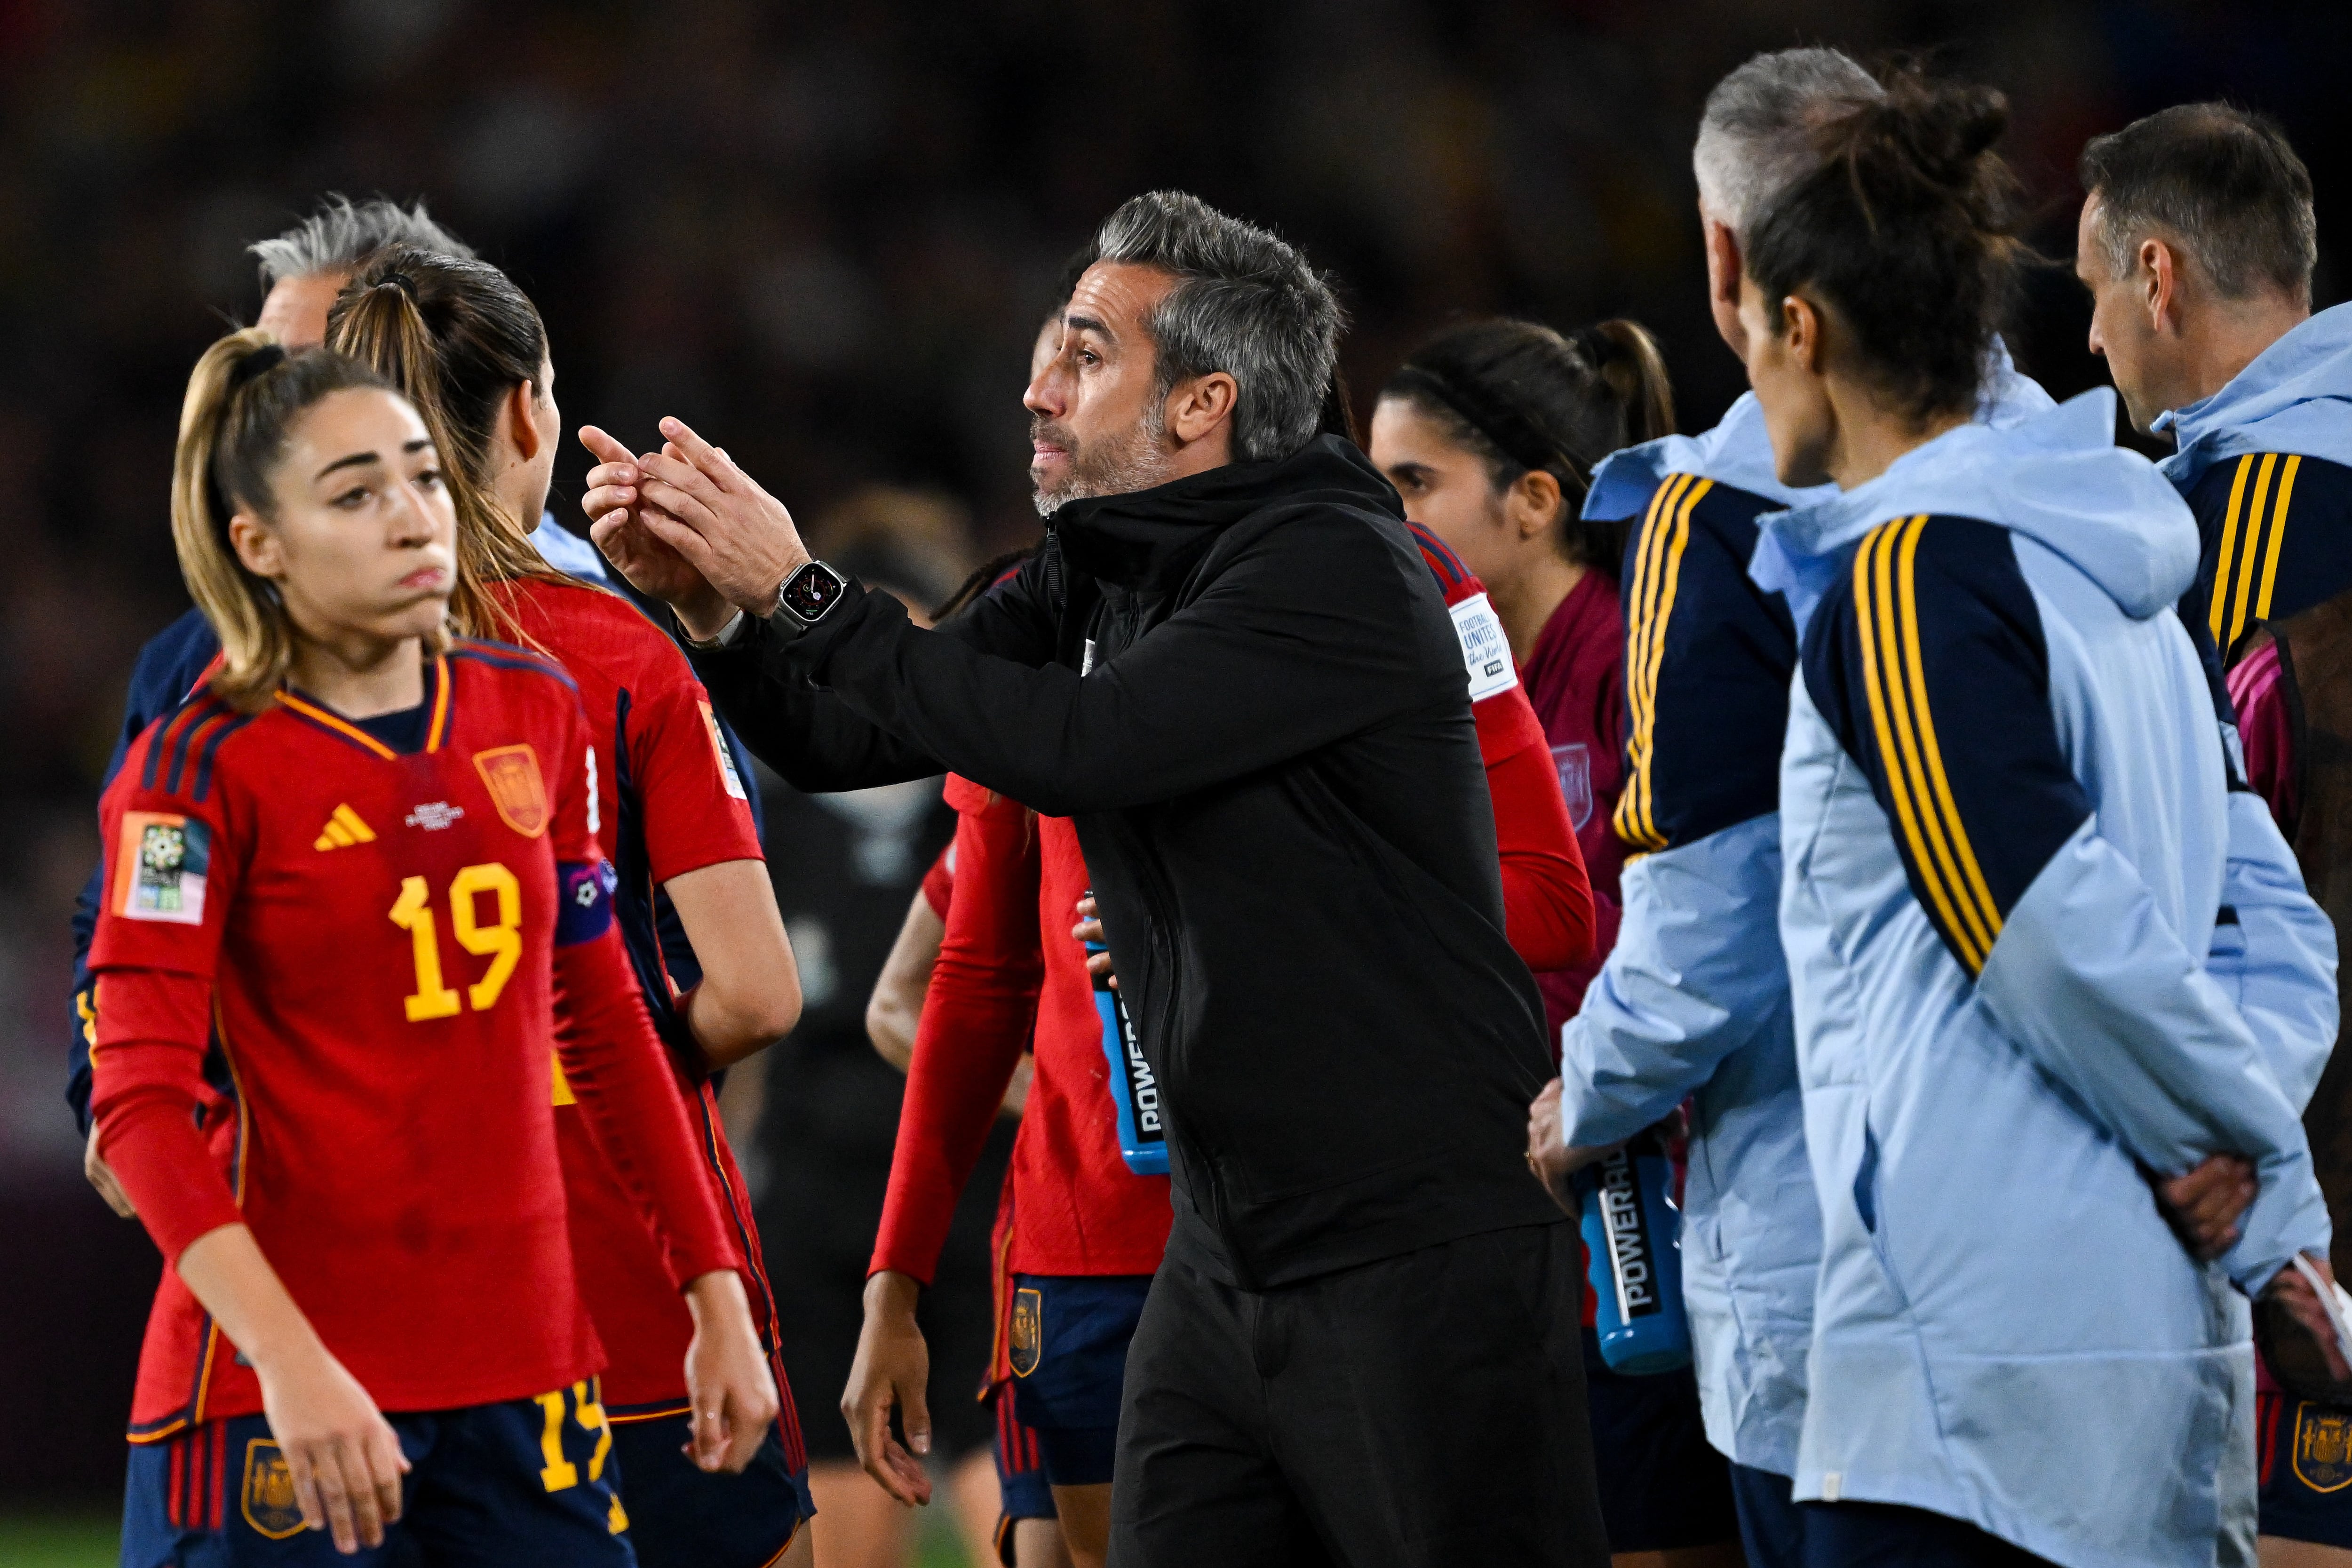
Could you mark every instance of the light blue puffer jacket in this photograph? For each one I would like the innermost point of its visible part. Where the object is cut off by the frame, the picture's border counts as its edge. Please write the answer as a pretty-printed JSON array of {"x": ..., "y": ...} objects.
[
  {"x": 2007, "y": 844},
  {"x": 1694, "y": 999}
]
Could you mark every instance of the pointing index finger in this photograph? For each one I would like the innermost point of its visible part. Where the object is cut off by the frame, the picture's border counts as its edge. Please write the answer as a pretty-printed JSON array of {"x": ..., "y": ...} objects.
[{"x": 706, "y": 457}]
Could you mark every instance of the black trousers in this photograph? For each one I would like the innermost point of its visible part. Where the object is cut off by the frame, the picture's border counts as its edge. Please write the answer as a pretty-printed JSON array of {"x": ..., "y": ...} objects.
[{"x": 1422, "y": 1410}]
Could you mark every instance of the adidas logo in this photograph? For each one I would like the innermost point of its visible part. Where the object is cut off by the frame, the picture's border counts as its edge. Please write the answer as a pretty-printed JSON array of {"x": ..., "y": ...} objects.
[{"x": 343, "y": 829}]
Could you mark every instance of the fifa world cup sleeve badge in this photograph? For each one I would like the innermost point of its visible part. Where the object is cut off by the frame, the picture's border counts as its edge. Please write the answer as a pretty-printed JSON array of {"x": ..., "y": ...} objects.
[
  {"x": 160, "y": 869},
  {"x": 266, "y": 1495},
  {"x": 512, "y": 776},
  {"x": 1028, "y": 1331}
]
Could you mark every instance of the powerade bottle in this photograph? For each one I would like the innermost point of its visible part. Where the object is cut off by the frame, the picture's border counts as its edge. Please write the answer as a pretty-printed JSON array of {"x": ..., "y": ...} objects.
[
  {"x": 1134, "y": 1086},
  {"x": 1637, "y": 1260}
]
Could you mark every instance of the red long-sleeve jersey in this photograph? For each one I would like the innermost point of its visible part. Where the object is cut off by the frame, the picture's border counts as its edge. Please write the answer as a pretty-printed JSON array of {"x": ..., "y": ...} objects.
[
  {"x": 1010, "y": 977},
  {"x": 387, "y": 944},
  {"x": 669, "y": 801}
]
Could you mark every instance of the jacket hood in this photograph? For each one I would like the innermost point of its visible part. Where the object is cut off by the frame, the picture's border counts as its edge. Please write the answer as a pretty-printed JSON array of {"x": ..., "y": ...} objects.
[
  {"x": 2057, "y": 478},
  {"x": 1738, "y": 454},
  {"x": 2296, "y": 397},
  {"x": 1148, "y": 536}
]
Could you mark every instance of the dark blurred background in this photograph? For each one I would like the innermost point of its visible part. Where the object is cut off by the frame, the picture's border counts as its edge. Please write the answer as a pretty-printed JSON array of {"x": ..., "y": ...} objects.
[{"x": 825, "y": 235}]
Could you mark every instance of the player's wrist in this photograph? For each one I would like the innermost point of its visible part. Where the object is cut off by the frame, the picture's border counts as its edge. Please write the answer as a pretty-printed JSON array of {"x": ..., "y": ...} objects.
[
  {"x": 891, "y": 1294},
  {"x": 712, "y": 1295}
]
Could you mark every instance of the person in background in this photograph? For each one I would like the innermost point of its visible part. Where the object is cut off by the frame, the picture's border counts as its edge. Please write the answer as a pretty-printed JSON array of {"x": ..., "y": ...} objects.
[
  {"x": 821, "y": 1117},
  {"x": 1693, "y": 1001},
  {"x": 2197, "y": 242},
  {"x": 1490, "y": 432},
  {"x": 2007, "y": 849},
  {"x": 302, "y": 270},
  {"x": 674, "y": 817}
]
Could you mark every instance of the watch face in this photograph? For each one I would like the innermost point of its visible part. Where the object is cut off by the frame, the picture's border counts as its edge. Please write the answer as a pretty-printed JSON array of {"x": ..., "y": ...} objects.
[{"x": 814, "y": 590}]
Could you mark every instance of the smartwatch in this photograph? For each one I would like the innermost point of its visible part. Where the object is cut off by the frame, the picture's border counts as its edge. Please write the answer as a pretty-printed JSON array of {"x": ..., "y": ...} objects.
[{"x": 807, "y": 597}]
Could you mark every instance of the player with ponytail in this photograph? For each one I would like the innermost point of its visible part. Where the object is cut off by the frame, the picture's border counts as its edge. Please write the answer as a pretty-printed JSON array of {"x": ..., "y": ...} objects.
[
  {"x": 359, "y": 857},
  {"x": 674, "y": 815}
]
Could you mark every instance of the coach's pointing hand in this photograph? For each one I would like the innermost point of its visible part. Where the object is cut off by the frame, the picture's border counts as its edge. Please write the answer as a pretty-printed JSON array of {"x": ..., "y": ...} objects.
[{"x": 741, "y": 538}]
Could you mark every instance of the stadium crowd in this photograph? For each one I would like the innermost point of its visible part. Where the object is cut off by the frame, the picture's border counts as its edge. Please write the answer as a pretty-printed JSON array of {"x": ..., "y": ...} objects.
[{"x": 1869, "y": 863}]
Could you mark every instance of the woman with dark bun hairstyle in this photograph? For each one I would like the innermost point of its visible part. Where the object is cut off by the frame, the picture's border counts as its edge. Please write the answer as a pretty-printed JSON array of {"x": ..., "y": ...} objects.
[
  {"x": 1490, "y": 433},
  {"x": 2052, "y": 1100}
]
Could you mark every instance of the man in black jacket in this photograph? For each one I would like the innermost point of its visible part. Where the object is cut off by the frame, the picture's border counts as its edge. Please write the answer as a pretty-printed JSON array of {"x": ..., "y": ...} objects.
[{"x": 1230, "y": 666}]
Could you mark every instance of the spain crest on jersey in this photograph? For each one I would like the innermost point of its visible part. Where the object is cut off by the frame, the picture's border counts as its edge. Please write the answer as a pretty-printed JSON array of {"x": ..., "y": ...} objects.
[
  {"x": 160, "y": 869},
  {"x": 512, "y": 776},
  {"x": 266, "y": 1495},
  {"x": 2323, "y": 1447},
  {"x": 1574, "y": 762},
  {"x": 1028, "y": 1331}
]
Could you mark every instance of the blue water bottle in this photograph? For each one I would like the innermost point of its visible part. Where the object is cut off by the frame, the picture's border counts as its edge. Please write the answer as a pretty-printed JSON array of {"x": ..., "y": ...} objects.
[
  {"x": 1636, "y": 1260},
  {"x": 1134, "y": 1086}
]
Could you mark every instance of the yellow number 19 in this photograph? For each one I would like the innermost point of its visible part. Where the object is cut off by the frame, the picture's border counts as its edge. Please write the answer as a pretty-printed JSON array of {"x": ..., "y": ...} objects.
[{"x": 501, "y": 943}]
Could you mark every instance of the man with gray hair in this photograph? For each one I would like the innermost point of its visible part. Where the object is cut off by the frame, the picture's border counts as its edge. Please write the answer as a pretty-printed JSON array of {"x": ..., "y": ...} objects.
[
  {"x": 2197, "y": 241},
  {"x": 1230, "y": 666},
  {"x": 1694, "y": 1000}
]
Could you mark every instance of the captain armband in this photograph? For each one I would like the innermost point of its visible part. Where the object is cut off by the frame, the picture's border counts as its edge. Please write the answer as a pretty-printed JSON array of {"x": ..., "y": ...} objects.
[{"x": 583, "y": 905}]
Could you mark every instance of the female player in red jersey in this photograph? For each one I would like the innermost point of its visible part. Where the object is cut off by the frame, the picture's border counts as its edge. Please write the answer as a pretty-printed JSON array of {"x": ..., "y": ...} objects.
[
  {"x": 1487, "y": 432},
  {"x": 361, "y": 858},
  {"x": 673, "y": 815},
  {"x": 1490, "y": 432}
]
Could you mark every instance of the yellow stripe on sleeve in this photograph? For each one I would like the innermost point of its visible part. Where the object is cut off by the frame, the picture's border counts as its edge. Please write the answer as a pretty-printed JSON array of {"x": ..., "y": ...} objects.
[
  {"x": 1875, "y": 618},
  {"x": 2278, "y": 533},
  {"x": 2228, "y": 548},
  {"x": 1971, "y": 890},
  {"x": 1627, "y": 815},
  {"x": 2247, "y": 556},
  {"x": 1655, "y": 656}
]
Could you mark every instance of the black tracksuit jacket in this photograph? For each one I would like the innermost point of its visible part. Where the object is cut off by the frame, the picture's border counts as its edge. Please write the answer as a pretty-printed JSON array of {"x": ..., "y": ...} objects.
[{"x": 1246, "y": 688}]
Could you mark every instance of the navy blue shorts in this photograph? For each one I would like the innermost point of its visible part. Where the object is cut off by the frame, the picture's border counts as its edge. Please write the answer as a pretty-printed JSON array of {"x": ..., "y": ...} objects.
[
  {"x": 1887, "y": 1535},
  {"x": 1069, "y": 1338},
  {"x": 514, "y": 1484},
  {"x": 1020, "y": 1475},
  {"x": 680, "y": 1517},
  {"x": 1663, "y": 1485},
  {"x": 2304, "y": 1451}
]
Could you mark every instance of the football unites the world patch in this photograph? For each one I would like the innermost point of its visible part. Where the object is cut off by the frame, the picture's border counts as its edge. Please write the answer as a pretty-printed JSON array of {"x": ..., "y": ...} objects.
[
  {"x": 161, "y": 866},
  {"x": 734, "y": 781},
  {"x": 512, "y": 776},
  {"x": 1486, "y": 651}
]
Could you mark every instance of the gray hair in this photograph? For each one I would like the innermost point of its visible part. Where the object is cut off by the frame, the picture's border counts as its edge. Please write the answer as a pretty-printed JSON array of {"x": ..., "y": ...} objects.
[
  {"x": 1245, "y": 303},
  {"x": 2222, "y": 184},
  {"x": 1755, "y": 137},
  {"x": 340, "y": 234}
]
